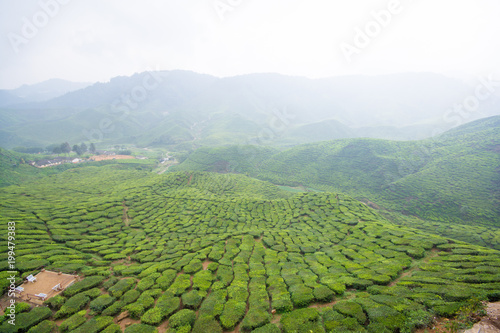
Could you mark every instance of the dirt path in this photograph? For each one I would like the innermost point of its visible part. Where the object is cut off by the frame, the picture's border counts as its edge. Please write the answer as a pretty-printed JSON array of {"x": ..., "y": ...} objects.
[
  {"x": 434, "y": 253},
  {"x": 490, "y": 323},
  {"x": 205, "y": 264},
  {"x": 125, "y": 217}
]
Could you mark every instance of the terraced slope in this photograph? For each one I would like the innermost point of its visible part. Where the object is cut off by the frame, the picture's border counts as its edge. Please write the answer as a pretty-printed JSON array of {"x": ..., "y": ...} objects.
[{"x": 205, "y": 252}]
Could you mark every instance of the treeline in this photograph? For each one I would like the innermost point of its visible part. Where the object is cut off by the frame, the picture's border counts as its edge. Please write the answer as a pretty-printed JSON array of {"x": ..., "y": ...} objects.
[{"x": 63, "y": 148}]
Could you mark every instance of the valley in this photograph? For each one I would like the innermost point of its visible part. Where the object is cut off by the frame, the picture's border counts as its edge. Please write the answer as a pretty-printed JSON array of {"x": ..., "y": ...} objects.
[{"x": 184, "y": 218}]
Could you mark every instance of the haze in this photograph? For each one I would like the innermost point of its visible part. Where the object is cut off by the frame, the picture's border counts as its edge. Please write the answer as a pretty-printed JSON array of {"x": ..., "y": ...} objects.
[{"x": 89, "y": 41}]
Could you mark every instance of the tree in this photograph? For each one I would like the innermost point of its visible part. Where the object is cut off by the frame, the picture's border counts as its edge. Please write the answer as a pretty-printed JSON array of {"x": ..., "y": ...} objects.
[
  {"x": 77, "y": 150},
  {"x": 57, "y": 150},
  {"x": 65, "y": 148},
  {"x": 83, "y": 147},
  {"x": 92, "y": 148}
]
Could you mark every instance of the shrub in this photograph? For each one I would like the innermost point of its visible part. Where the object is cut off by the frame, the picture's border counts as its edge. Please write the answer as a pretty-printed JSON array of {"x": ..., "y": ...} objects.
[
  {"x": 166, "y": 279},
  {"x": 45, "y": 326},
  {"x": 194, "y": 266},
  {"x": 301, "y": 320},
  {"x": 269, "y": 328},
  {"x": 94, "y": 325},
  {"x": 155, "y": 293},
  {"x": 85, "y": 284},
  {"x": 302, "y": 296},
  {"x": 206, "y": 324},
  {"x": 168, "y": 304},
  {"x": 232, "y": 314},
  {"x": 213, "y": 305},
  {"x": 153, "y": 316},
  {"x": 351, "y": 309},
  {"x": 110, "y": 282},
  {"x": 180, "y": 285},
  {"x": 141, "y": 328},
  {"x": 254, "y": 318},
  {"x": 145, "y": 284},
  {"x": 192, "y": 299},
  {"x": 121, "y": 287},
  {"x": 331, "y": 319},
  {"x": 323, "y": 294},
  {"x": 131, "y": 296},
  {"x": 101, "y": 302},
  {"x": 114, "y": 309},
  {"x": 213, "y": 266},
  {"x": 146, "y": 301},
  {"x": 72, "y": 305},
  {"x": 382, "y": 314},
  {"x": 30, "y": 265},
  {"x": 113, "y": 328},
  {"x": 92, "y": 293},
  {"x": 202, "y": 280},
  {"x": 182, "y": 318},
  {"x": 73, "y": 322},
  {"x": 282, "y": 304},
  {"x": 135, "y": 310},
  {"x": 26, "y": 320}
]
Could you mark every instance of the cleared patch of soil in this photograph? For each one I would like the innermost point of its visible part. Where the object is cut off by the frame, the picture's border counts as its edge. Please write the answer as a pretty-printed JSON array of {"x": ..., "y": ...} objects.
[
  {"x": 205, "y": 264},
  {"x": 111, "y": 157}
]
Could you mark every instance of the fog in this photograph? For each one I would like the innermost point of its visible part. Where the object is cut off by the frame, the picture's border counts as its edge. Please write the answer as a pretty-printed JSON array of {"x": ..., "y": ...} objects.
[{"x": 89, "y": 41}]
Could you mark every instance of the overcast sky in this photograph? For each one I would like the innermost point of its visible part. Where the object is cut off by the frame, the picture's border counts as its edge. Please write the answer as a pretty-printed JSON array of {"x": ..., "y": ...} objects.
[{"x": 90, "y": 40}]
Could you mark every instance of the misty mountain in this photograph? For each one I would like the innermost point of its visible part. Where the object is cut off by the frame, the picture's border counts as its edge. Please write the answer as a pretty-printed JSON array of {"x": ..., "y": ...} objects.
[
  {"x": 47, "y": 89},
  {"x": 187, "y": 109},
  {"x": 8, "y": 98}
]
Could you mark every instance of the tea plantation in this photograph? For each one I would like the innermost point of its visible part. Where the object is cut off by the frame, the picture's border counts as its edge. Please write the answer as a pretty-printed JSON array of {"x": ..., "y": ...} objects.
[{"x": 205, "y": 252}]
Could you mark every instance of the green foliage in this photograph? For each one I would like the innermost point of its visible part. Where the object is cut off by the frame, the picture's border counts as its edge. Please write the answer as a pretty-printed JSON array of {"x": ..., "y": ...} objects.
[
  {"x": 351, "y": 309},
  {"x": 95, "y": 325},
  {"x": 153, "y": 316},
  {"x": 130, "y": 296},
  {"x": 73, "y": 305},
  {"x": 206, "y": 324},
  {"x": 85, "y": 284},
  {"x": 272, "y": 252},
  {"x": 323, "y": 294},
  {"x": 180, "y": 285},
  {"x": 192, "y": 299},
  {"x": 140, "y": 328},
  {"x": 145, "y": 284},
  {"x": 121, "y": 287},
  {"x": 269, "y": 328},
  {"x": 168, "y": 304},
  {"x": 113, "y": 328},
  {"x": 45, "y": 326},
  {"x": 101, "y": 302},
  {"x": 26, "y": 320},
  {"x": 55, "y": 302},
  {"x": 232, "y": 314},
  {"x": 255, "y": 318},
  {"x": 73, "y": 322},
  {"x": 302, "y": 320},
  {"x": 114, "y": 308},
  {"x": 182, "y": 318}
]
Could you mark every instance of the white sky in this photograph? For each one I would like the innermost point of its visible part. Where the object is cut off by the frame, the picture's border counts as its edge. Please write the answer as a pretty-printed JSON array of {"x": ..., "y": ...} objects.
[{"x": 91, "y": 40}]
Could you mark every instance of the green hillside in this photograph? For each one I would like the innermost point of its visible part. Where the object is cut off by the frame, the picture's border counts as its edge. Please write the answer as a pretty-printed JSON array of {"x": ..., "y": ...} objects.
[
  {"x": 211, "y": 252},
  {"x": 188, "y": 110},
  {"x": 15, "y": 170},
  {"x": 450, "y": 180}
]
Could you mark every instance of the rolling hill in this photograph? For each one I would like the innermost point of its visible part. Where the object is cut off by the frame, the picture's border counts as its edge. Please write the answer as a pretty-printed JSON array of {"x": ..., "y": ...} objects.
[
  {"x": 451, "y": 179},
  {"x": 185, "y": 110},
  {"x": 206, "y": 252}
]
